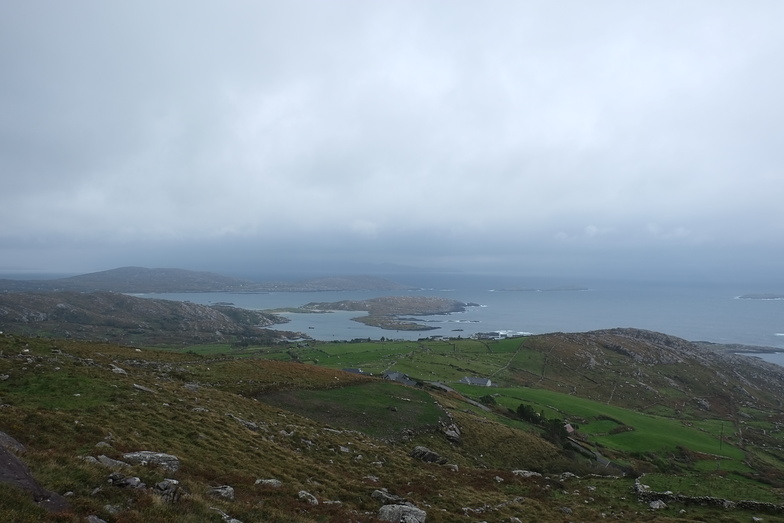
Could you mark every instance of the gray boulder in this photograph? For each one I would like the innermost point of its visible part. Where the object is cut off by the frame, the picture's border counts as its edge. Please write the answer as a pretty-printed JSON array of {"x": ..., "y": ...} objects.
[
  {"x": 402, "y": 514},
  {"x": 275, "y": 483},
  {"x": 114, "y": 464},
  {"x": 306, "y": 496},
  {"x": 118, "y": 480},
  {"x": 169, "y": 490},
  {"x": 425, "y": 454},
  {"x": 222, "y": 491},
  {"x": 452, "y": 432}
]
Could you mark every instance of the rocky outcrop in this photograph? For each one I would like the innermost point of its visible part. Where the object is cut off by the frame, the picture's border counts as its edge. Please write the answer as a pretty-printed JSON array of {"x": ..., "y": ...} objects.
[{"x": 425, "y": 454}]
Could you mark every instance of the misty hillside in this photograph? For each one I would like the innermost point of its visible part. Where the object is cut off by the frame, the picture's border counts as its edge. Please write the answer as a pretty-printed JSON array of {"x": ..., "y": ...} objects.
[{"x": 130, "y": 320}]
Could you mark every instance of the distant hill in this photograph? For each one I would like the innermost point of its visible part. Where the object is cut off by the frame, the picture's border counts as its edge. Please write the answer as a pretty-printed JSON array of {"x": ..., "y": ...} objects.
[
  {"x": 143, "y": 280},
  {"x": 335, "y": 283}
]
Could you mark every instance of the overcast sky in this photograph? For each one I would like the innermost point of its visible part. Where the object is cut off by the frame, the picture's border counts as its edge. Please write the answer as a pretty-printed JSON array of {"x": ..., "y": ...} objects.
[{"x": 541, "y": 137}]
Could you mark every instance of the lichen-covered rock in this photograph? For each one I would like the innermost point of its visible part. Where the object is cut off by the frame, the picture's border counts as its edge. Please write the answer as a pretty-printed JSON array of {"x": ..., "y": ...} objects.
[{"x": 146, "y": 457}]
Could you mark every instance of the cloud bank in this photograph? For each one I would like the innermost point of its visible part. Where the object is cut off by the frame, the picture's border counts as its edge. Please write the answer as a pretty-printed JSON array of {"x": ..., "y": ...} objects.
[{"x": 539, "y": 136}]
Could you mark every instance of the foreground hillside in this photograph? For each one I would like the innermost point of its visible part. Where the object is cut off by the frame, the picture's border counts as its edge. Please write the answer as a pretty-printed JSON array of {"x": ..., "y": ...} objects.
[{"x": 258, "y": 435}]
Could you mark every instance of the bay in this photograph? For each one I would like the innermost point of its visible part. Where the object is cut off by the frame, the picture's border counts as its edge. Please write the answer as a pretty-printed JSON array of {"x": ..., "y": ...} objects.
[{"x": 694, "y": 311}]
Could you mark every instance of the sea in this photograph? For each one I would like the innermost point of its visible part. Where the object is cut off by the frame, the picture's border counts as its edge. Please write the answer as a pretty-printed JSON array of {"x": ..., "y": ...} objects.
[{"x": 695, "y": 311}]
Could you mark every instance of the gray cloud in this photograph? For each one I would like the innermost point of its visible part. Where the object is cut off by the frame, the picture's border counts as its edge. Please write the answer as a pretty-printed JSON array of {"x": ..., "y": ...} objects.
[{"x": 414, "y": 132}]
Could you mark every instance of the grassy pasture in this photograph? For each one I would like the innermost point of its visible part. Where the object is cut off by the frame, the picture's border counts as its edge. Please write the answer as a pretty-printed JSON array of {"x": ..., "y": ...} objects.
[
  {"x": 729, "y": 486},
  {"x": 650, "y": 434},
  {"x": 426, "y": 360},
  {"x": 379, "y": 408}
]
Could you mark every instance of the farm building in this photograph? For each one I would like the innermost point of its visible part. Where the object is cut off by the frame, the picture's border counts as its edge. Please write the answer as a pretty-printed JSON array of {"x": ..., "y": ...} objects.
[{"x": 479, "y": 382}]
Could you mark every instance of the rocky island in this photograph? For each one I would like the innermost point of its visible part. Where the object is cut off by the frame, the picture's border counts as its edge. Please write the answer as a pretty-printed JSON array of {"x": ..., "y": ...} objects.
[{"x": 385, "y": 312}]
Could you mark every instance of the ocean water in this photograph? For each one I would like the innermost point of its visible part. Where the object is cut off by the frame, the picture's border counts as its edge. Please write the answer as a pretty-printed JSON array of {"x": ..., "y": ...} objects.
[{"x": 693, "y": 311}]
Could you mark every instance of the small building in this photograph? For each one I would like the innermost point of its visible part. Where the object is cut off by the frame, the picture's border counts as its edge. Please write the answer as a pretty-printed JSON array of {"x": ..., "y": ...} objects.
[
  {"x": 479, "y": 382},
  {"x": 399, "y": 377}
]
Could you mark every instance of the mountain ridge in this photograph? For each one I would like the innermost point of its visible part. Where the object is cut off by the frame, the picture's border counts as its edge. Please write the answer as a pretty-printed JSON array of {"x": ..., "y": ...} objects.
[{"x": 144, "y": 280}]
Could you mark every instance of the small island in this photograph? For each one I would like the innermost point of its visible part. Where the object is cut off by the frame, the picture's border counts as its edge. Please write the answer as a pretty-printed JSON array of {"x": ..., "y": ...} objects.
[
  {"x": 385, "y": 312},
  {"x": 761, "y": 297},
  {"x": 549, "y": 289}
]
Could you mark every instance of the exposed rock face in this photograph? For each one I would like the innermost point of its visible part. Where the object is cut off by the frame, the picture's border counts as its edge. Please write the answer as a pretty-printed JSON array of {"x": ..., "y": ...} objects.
[
  {"x": 15, "y": 472},
  {"x": 7, "y": 442},
  {"x": 402, "y": 514},
  {"x": 146, "y": 457}
]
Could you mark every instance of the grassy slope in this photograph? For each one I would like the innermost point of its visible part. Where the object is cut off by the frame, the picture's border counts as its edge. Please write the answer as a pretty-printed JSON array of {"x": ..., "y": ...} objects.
[
  {"x": 653, "y": 410},
  {"x": 62, "y": 398}
]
